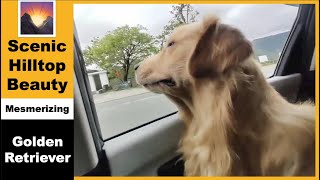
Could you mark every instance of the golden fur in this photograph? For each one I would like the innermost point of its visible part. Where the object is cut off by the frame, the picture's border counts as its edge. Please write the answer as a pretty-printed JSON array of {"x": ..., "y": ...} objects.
[{"x": 236, "y": 123}]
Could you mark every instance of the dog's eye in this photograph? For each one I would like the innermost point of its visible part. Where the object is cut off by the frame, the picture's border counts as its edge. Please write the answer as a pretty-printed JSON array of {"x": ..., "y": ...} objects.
[{"x": 171, "y": 44}]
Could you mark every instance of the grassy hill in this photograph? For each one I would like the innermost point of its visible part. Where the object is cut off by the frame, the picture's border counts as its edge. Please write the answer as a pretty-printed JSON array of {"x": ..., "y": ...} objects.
[{"x": 270, "y": 46}]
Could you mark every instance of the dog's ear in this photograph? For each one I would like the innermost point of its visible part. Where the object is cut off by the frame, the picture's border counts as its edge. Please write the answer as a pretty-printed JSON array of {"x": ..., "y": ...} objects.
[{"x": 219, "y": 48}]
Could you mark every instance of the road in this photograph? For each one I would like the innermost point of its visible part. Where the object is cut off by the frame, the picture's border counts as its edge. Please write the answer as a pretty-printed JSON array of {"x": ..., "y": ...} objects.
[
  {"x": 268, "y": 70},
  {"x": 119, "y": 115}
]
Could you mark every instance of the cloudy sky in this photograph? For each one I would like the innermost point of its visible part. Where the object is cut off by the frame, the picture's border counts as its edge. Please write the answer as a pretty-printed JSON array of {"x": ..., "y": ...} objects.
[{"x": 255, "y": 21}]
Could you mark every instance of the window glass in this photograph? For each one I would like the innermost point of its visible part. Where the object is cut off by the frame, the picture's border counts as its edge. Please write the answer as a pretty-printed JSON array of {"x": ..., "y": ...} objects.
[
  {"x": 114, "y": 38},
  {"x": 312, "y": 65}
]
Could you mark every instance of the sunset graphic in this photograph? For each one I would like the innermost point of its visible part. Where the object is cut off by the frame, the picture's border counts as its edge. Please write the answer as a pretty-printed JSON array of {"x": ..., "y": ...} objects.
[{"x": 39, "y": 11}]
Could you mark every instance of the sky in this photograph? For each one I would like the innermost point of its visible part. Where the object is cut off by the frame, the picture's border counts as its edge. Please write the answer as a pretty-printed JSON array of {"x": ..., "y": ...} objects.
[
  {"x": 255, "y": 21},
  {"x": 39, "y": 11}
]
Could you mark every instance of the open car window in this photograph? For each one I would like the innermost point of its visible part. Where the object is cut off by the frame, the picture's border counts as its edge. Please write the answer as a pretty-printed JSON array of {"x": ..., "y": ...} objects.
[{"x": 113, "y": 45}]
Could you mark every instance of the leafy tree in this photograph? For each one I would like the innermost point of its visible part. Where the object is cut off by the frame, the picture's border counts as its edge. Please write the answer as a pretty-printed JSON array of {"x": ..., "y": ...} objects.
[
  {"x": 119, "y": 50},
  {"x": 182, "y": 14}
]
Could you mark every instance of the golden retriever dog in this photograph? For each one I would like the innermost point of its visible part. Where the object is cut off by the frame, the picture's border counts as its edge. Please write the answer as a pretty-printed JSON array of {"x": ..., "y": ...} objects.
[{"x": 235, "y": 122}]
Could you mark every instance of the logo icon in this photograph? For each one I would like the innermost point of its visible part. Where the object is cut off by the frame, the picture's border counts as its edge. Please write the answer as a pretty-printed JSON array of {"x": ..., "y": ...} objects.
[{"x": 36, "y": 19}]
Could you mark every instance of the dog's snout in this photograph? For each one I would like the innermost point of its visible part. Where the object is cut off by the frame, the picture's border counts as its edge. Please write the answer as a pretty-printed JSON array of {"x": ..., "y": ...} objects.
[{"x": 136, "y": 66}]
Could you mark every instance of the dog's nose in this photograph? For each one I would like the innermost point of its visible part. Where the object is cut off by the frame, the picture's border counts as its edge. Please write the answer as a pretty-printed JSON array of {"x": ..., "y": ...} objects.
[{"x": 136, "y": 66}]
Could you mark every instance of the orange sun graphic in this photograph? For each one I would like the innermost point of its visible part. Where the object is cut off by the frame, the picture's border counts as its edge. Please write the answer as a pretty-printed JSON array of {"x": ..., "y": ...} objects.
[{"x": 38, "y": 11}]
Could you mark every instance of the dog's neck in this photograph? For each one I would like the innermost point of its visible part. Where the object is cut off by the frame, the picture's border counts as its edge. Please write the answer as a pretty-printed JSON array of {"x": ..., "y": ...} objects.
[
  {"x": 210, "y": 125},
  {"x": 213, "y": 116}
]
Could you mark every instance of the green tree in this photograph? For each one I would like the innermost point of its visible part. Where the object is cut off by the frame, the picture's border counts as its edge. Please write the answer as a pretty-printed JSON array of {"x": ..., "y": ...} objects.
[
  {"x": 182, "y": 14},
  {"x": 120, "y": 50}
]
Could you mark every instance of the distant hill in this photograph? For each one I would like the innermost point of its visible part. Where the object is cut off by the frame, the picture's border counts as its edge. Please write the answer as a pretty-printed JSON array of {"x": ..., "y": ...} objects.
[{"x": 270, "y": 46}]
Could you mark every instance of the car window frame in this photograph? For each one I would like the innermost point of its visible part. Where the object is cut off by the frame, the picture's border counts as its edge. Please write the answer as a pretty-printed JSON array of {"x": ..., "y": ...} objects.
[{"x": 295, "y": 34}]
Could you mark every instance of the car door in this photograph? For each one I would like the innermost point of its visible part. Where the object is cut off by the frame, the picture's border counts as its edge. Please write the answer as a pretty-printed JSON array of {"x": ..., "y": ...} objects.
[{"x": 138, "y": 134}]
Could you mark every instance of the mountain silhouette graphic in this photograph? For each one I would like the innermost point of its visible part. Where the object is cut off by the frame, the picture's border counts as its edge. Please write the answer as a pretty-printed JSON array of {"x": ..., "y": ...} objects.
[
  {"x": 47, "y": 26},
  {"x": 28, "y": 27}
]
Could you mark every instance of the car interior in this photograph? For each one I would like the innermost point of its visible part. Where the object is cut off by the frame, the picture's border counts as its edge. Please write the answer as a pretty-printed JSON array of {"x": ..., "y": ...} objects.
[{"x": 151, "y": 148}]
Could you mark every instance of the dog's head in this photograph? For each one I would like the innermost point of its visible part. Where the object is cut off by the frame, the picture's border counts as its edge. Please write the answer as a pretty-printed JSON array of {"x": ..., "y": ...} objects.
[{"x": 193, "y": 52}]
